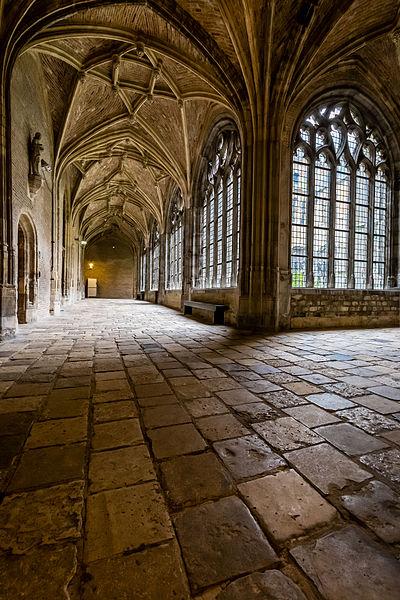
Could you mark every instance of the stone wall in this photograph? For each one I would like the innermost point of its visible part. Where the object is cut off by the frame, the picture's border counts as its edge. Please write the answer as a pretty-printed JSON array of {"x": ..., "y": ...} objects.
[
  {"x": 113, "y": 267},
  {"x": 30, "y": 113},
  {"x": 344, "y": 308}
]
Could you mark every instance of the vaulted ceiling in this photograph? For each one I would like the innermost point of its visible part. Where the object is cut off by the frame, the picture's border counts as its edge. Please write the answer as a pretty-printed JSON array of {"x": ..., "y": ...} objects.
[{"x": 134, "y": 87}]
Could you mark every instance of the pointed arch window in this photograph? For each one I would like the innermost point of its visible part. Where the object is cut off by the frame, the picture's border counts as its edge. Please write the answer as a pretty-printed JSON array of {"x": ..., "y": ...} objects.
[
  {"x": 341, "y": 191},
  {"x": 154, "y": 257},
  {"x": 174, "y": 245},
  {"x": 220, "y": 214}
]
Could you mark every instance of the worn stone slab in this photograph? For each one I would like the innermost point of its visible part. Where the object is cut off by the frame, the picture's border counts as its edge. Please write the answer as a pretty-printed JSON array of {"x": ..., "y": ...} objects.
[
  {"x": 59, "y": 409},
  {"x": 378, "y": 507},
  {"x": 23, "y": 404},
  {"x": 112, "y": 396},
  {"x": 70, "y": 393},
  {"x": 286, "y": 433},
  {"x": 248, "y": 456},
  {"x": 16, "y": 423},
  {"x": 44, "y": 466},
  {"x": 330, "y": 401},
  {"x": 283, "y": 399},
  {"x": 256, "y": 411},
  {"x": 28, "y": 389},
  {"x": 152, "y": 389},
  {"x": 385, "y": 463},
  {"x": 220, "y": 427},
  {"x": 154, "y": 573},
  {"x": 193, "y": 479},
  {"x": 302, "y": 388},
  {"x": 70, "y": 382},
  {"x": 46, "y": 516},
  {"x": 57, "y": 432},
  {"x": 160, "y": 416},
  {"x": 157, "y": 400},
  {"x": 228, "y": 542},
  {"x": 179, "y": 439},
  {"x": 286, "y": 505},
  {"x": 311, "y": 416},
  {"x": 368, "y": 420},
  {"x": 203, "y": 407},
  {"x": 112, "y": 384},
  {"x": 345, "y": 389},
  {"x": 120, "y": 468},
  {"x": 379, "y": 404},
  {"x": 27, "y": 576},
  {"x": 220, "y": 384},
  {"x": 270, "y": 585},
  {"x": 386, "y": 391},
  {"x": 124, "y": 519},
  {"x": 349, "y": 439},
  {"x": 114, "y": 411},
  {"x": 10, "y": 446},
  {"x": 237, "y": 396},
  {"x": 327, "y": 468},
  {"x": 367, "y": 570},
  {"x": 115, "y": 434},
  {"x": 392, "y": 436},
  {"x": 106, "y": 375},
  {"x": 192, "y": 391}
]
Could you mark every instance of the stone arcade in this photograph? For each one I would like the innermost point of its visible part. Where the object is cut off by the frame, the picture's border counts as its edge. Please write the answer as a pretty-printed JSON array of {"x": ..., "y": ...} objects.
[{"x": 239, "y": 154}]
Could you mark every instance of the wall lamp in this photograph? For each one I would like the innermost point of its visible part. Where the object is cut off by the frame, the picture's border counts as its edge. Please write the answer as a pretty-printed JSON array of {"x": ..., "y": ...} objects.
[
  {"x": 91, "y": 265},
  {"x": 83, "y": 242}
]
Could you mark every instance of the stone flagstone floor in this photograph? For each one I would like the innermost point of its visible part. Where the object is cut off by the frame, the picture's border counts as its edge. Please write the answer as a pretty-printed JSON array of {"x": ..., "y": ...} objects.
[{"x": 146, "y": 456}]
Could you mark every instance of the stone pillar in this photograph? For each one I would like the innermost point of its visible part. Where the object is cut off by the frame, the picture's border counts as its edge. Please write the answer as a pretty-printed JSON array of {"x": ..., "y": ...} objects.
[
  {"x": 8, "y": 296},
  {"x": 187, "y": 250},
  {"x": 162, "y": 274}
]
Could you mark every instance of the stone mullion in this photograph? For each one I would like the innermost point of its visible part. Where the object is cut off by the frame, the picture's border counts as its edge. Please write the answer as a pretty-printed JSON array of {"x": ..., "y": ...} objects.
[
  {"x": 331, "y": 231},
  {"x": 370, "y": 232},
  {"x": 352, "y": 217},
  {"x": 224, "y": 223},
  {"x": 215, "y": 217},
  {"x": 392, "y": 246},
  {"x": 310, "y": 223},
  {"x": 190, "y": 243},
  {"x": 161, "y": 266},
  {"x": 235, "y": 248}
]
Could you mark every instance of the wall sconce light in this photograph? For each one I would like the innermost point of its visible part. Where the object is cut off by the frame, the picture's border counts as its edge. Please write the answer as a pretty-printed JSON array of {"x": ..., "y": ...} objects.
[
  {"x": 83, "y": 243},
  {"x": 91, "y": 265}
]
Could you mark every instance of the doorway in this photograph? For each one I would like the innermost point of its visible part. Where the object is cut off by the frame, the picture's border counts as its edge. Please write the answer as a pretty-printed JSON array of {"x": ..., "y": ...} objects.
[{"x": 27, "y": 275}]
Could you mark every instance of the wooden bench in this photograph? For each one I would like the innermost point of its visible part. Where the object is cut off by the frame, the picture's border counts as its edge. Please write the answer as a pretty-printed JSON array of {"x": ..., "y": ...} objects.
[{"x": 217, "y": 310}]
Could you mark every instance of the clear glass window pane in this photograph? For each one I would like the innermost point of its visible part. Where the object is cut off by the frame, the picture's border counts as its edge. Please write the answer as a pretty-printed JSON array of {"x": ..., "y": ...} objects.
[
  {"x": 299, "y": 271},
  {"x": 320, "y": 271},
  {"x": 320, "y": 246}
]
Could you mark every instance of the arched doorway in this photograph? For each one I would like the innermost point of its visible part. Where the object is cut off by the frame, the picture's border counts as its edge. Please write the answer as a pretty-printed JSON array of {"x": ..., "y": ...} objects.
[{"x": 27, "y": 275}]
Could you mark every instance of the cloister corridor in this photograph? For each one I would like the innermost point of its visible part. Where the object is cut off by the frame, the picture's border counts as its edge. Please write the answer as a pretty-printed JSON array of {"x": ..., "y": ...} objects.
[{"x": 148, "y": 456}]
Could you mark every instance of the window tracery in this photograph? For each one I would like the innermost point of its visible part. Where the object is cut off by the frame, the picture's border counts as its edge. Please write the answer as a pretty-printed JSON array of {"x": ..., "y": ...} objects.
[
  {"x": 154, "y": 258},
  {"x": 220, "y": 214},
  {"x": 341, "y": 190}
]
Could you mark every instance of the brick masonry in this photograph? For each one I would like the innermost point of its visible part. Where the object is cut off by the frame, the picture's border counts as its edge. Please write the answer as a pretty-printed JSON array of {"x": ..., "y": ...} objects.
[{"x": 337, "y": 308}]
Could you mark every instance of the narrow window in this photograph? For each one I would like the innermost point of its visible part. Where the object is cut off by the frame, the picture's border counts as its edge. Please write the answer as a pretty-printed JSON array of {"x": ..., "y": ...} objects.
[{"x": 219, "y": 222}]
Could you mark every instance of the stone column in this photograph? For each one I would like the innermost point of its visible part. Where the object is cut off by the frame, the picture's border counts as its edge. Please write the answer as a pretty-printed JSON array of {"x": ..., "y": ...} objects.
[{"x": 8, "y": 296}]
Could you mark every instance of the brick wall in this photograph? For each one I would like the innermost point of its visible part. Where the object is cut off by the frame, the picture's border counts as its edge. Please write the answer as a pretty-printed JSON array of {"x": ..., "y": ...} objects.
[
  {"x": 113, "y": 267},
  {"x": 29, "y": 114},
  {"x": 344, "y": 308}
]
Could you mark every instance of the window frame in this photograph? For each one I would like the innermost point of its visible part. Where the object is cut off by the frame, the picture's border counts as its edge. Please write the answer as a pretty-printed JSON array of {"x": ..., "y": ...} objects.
[
  {"x": 335, "y": 128},
  {"x": 214, "y": 250},
  {"x": 174, "y": 245}
]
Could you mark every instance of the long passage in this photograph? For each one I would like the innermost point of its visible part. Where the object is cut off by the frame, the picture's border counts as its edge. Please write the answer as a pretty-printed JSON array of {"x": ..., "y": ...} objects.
[{"x": 147, "y": 456}]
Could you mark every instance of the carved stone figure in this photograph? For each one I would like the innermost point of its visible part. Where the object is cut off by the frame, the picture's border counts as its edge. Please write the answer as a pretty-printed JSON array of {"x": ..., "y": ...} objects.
[{"x": 34, "y": 156}]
